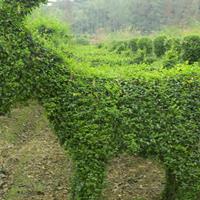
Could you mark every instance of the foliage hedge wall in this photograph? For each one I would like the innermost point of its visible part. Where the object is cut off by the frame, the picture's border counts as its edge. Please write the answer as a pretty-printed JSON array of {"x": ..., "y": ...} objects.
[{"x": 98, "y": 118}]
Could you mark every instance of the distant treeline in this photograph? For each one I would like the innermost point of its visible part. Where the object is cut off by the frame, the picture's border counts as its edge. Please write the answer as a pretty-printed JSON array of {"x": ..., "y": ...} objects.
[{"x": 145, "y": 16}]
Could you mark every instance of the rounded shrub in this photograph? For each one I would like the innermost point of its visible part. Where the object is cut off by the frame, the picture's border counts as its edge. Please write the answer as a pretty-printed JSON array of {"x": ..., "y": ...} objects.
[
  {"x": 171, "y": 59},
  {"x": 100, "y": 46},
  {"x": 139, "y": 57},
  {"x": 133, "y": 45},
  {"x": 161, "y": 45},
  {"x": 177, "y": 45},
  {"x": 112, "y": 45},
  {"x": 149, "y": 59},
  {"x": 82, "y": 40},
  {"x": 146, "y": 45},
  {"x": 191, "y": 49},
  {"x": 119, "y": 46}
]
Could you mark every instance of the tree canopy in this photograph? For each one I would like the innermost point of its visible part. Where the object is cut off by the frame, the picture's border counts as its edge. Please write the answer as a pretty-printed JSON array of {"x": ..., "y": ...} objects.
[{"x": 89, "y": 16}]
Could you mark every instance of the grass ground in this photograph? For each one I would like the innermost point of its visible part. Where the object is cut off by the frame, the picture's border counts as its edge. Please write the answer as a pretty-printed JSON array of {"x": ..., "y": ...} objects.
[{"x": 33, "y": 166}]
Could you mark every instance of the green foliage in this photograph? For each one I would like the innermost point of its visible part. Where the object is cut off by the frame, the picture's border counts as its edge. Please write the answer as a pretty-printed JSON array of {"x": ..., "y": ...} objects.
[
  {"x": 177, "y": 45},
  {"x": 101, "y": 45},
  {"x": 171, "y": 59},
  {"x": 191, "y": 49},
  {"x": 133, "y": 45},
  {"x": 50, "y": 29},
  {"x": 119, "y": 46},
  {"x": 146, "y": 45},
  {"x": 150, "y": 59},
  {"x": 82, "y": 40},
  {"x": 139, "y": 57},
  {"x": 22, "y": 7},
  {"x": 161, "y": 45},
  {"x": 97, "y": 116}
]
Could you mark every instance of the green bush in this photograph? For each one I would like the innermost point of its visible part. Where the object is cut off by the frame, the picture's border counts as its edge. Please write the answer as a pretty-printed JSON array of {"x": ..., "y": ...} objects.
[
  {"x": 139, "y": 57},
  {"x": 133, "y": 45},
  {"x": 82, "y": 40},
  {"x": 177, "y": 45},
  {"x": 161, "y": 45},
  {"x": 191, "y": 49},
  {"x": 119, "y": 46},
  {"x": 171, "y": 59},
  {"x": 100, "y": 46},
  {"x": 49, "y": 29},
  {"x": 146, "y": 45},
  {"x": 149, "y": 59}
]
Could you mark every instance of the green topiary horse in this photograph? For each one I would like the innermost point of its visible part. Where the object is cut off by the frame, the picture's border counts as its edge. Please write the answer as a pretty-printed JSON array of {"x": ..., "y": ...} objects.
[{"x": 96, "y": 119}]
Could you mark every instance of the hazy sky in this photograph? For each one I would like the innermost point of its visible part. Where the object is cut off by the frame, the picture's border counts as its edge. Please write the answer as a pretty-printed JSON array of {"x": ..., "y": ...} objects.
[{"x": 51, "y": 1}]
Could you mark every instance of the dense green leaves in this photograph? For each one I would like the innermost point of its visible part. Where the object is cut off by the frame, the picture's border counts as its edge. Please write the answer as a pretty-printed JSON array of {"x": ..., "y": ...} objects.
[
  {"x": 146, "y": 45},
  {"x": 98, "y": 117},
  {"x": 160, "y": 46},
  {"x": 191, "y": 49},
  {"x": 169, "y": 50}
]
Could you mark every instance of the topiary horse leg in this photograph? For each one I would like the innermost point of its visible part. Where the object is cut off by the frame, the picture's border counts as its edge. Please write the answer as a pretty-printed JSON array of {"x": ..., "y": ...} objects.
[
  {"x": 190, "y": 187},
  {"x": 88, "y": 179},
  {"x": 184, "y": 185},
  {"x": 171, "y": 186}
]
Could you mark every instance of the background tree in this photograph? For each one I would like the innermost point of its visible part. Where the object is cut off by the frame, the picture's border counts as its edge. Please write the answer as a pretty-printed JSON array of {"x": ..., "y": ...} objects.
[{"x": 146, "y": 16}]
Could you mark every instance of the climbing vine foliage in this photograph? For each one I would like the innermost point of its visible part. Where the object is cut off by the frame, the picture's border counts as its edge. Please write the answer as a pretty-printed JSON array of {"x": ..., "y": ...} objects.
[{"x": 98, "y": 118}]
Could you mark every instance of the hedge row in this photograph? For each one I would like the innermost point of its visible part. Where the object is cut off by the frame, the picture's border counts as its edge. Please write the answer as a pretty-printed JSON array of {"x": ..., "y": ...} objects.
[
  {"x": 188, "y": 48},
  {"x": 96, "y": 118}
]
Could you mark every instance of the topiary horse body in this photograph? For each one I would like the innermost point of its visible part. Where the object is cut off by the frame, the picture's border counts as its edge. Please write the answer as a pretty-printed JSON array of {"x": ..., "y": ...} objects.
[{"x": 95, "y": 118}]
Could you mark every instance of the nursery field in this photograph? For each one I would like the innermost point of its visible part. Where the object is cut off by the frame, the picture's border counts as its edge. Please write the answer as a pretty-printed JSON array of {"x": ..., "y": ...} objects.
[{"x": 159, "y": 56}]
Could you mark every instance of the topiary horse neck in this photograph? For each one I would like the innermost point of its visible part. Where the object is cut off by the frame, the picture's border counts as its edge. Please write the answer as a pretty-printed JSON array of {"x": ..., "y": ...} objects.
[
  {"x": 95, "y": 118},
  {"x": 30, "y": 71},
  {"x": 24, "y": 62},
  {"x": 13, "y": 38}
]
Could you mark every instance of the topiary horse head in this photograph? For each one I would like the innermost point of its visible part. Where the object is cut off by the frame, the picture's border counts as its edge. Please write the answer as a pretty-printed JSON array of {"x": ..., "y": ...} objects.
[
  {"x": 15, "y": 51},
  {"x": 97, "y": 118}
]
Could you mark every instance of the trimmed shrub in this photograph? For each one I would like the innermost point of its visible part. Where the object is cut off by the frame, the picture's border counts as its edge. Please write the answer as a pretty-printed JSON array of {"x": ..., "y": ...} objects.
[
  {"x": 119, "y": 46},
  {"x": 146, "y": 45},
  {"x": 149, "y": 59},
  {"x": 133, "y": 45},
  {"x": 171, "y": 59},
  {"x": 82, "y": 40},
  {"x": 161, "y": 45},
  {"x": 100, "y": 46},
  {"x": 139, "y": 57},
  {"x": 191, "y": 49},
  {"x": 177, "y": 45}
]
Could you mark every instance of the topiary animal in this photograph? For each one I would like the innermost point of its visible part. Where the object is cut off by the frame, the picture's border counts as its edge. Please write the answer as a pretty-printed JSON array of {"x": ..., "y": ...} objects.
[{"x": 95, "y": 118}]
